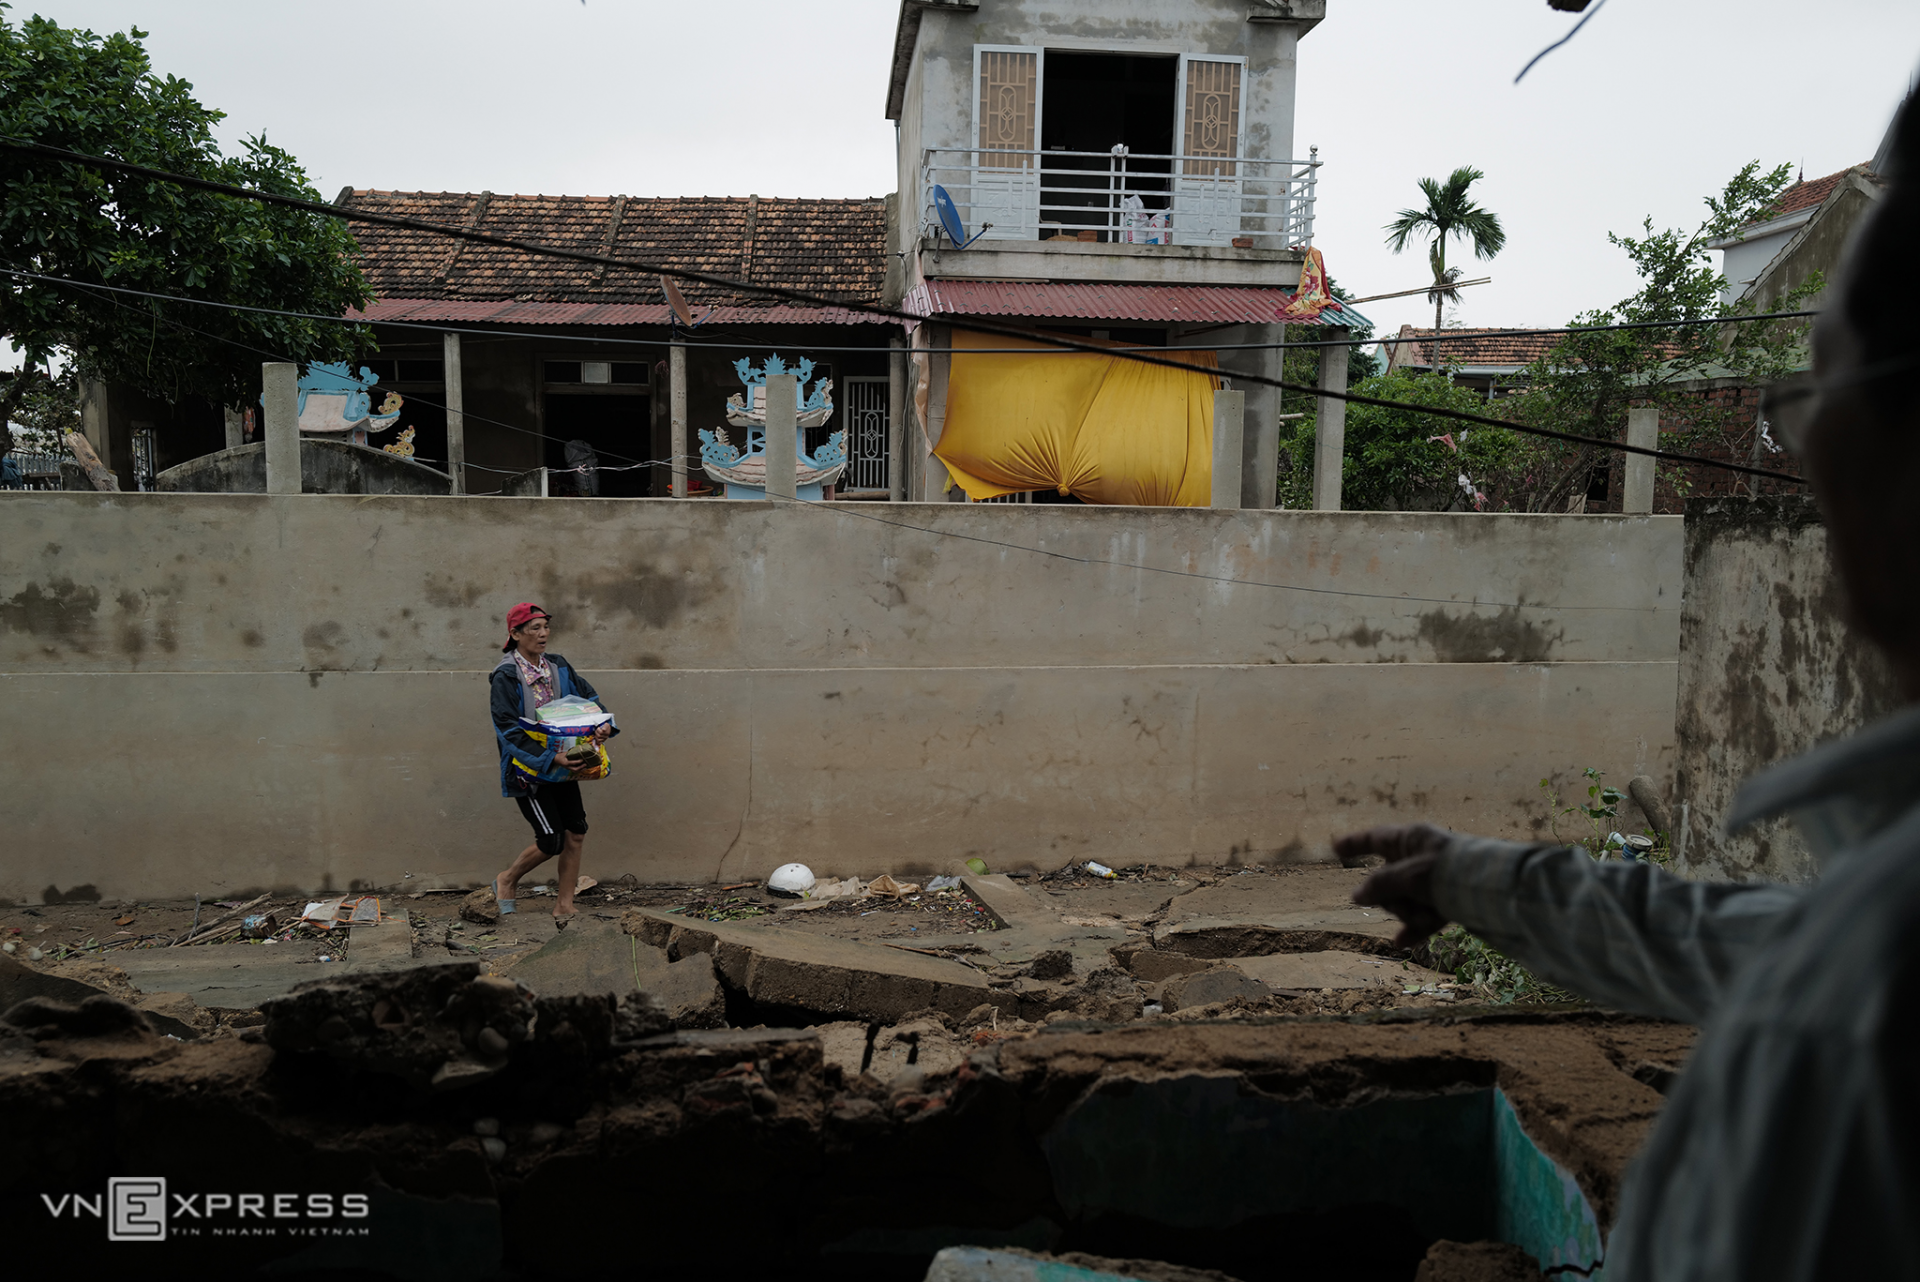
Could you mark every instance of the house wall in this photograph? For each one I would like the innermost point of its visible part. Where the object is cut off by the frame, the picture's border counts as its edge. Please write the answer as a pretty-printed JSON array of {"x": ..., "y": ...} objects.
[
  {"x": 1768, "y": 670},
  {"x": 287, "y": 691},
  {"x": 1818, "y": 247}
]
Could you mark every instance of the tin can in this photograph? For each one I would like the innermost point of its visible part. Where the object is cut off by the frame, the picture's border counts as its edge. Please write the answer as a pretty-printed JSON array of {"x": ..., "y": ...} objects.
[{"x": 258, "y": 925}]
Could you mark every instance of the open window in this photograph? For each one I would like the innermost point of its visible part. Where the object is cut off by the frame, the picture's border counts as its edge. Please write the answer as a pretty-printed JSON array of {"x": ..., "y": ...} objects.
[{"x": 1107, "y": 143}]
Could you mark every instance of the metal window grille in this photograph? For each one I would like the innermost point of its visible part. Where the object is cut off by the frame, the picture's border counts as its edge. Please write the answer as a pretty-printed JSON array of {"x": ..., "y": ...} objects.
[
  {"x": 1213, "y": 116},
  {"x": 1008, "y": 84},
  {"x": 866, "y": 425},
  {"x": 143, "y": 469}
]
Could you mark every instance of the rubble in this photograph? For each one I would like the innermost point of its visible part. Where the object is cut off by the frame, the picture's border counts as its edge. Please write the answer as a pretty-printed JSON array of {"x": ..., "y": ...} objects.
[{"x": 1137, "y": 1142}]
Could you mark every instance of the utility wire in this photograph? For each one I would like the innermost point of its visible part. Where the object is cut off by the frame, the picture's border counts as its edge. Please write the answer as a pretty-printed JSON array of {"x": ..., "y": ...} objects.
[
  {"x": 1420, "y": 338},
  {"x": 848, "y": 509},
  {"x": 815, "y": 300}
]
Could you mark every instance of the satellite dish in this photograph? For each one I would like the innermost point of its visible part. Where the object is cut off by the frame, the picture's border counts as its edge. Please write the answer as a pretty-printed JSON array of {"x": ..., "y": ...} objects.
[
  {"x": 949, "y": 216},
  {"x": 678, "y": 302}
]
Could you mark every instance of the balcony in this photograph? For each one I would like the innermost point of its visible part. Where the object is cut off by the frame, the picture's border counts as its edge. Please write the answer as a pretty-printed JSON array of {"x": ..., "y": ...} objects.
[{"x": 1120, "y": 216}]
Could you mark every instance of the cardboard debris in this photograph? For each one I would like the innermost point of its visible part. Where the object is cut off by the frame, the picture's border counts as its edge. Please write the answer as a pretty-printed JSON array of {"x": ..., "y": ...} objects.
[
  {"x": 885, "y": 885},
  {"x": 348, "y": 910}
]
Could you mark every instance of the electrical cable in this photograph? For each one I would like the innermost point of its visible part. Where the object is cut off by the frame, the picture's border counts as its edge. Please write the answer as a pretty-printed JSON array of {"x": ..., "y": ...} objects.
[
  {"x": 1352, "y": 397},
  {"x": 815, "y": 300},
  {"x": 659, "y": 344},
  {"x": 848, "y": 509}
]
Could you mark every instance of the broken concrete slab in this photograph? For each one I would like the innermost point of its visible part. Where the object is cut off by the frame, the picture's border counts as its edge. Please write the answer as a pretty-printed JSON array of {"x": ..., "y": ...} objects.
[
  {"x": 1249, "y": 915},
  {"x": 1302, "y": 910},
  {"x": 1152, "y": 966},
  {"x": 1210, "y": 986},
  {"x": 1335, "y": 968},
  {"x": 819, "y": 974},
  {"x": 689, "y": 990},
  {"x": 1012, "y": 907},
  {"x": 1011, "y": 1264},
  {"x": 589, "y": 958}
]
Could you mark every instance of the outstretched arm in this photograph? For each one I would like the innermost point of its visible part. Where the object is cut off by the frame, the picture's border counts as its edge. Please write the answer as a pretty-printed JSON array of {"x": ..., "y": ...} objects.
[{"x": 1625, "y": 935}]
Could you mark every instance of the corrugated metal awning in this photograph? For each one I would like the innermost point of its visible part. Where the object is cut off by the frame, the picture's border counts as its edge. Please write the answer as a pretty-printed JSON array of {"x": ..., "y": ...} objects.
[
  {"x": 1189, "y": 304},
  {"x": 508, "y": 312}
]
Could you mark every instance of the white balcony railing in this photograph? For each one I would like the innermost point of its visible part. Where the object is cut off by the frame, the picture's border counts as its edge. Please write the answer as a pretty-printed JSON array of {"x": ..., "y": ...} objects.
[{"x": 1123, "y": 197}]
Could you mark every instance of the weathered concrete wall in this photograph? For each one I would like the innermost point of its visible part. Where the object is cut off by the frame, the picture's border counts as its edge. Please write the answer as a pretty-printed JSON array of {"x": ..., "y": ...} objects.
[
  {"x": 289, "y": 691},
  {"x": 1768, "y": 669},
  {"x": 326, "y": 467}
]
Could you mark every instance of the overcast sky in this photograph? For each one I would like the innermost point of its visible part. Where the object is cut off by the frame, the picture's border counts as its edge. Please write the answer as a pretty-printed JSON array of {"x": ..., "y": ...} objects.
[{"x": 1652, "y": 106}]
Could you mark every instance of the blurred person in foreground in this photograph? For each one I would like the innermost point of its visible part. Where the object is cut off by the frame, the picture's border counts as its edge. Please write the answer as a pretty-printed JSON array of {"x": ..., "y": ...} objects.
[{"x": 1790, "y": 1146}]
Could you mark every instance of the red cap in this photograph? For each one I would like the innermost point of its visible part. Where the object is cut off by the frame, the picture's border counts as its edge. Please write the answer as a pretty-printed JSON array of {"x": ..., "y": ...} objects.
[{"x": 519, "y": 617}]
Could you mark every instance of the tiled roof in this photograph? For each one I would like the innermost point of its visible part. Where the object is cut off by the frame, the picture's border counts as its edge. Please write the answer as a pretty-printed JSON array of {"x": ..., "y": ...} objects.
[
  {"x": 835, "y": 248},
  {"x": 1467, "y": 347},
  {"x": 1805, "y": 195},
  {"x": 490, "y": 312},
  {"x": 1213, "y": 304}
]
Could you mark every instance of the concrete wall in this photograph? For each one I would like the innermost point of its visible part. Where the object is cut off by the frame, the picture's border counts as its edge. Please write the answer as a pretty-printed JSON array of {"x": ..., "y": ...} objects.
[
  {"x": 289, "y": 691},
  {"x": 326, "y": 467},
  {"x": 1768, "y": 669}
]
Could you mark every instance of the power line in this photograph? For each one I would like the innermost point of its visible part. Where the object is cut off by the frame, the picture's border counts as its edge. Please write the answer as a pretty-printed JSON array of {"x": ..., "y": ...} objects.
[
  {"x": 1419, "y": 338},
  {"x": 815, "y": 300}
]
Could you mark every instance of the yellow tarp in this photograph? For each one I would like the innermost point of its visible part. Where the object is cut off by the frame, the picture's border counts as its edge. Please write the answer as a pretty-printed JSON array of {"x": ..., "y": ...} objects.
[{"x": 1101, "y": 428}]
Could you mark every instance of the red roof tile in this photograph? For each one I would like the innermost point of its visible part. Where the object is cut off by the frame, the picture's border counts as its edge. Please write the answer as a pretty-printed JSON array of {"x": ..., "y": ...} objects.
[
  {"x": 1805, "y": 195},
  {"x": 1231, "y": 304},
  {"x": 835, "y": 248},
  {"x": 483, "y": 311},
  {"x": 1500, "y": 348}
]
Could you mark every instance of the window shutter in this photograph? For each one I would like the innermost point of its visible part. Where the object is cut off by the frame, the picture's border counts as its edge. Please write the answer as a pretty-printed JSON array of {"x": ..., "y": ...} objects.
[
  {"x": 1007, "y": 86},
  {"x": 1212, "y": 117}
]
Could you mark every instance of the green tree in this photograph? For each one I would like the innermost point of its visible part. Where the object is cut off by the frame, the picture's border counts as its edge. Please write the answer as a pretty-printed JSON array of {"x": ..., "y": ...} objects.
[
  {"x": 1403, "y": 460},
  {"x": 1450, "y": 211},
  {"x": 1586, "y": 382},
  {"x": 99, "y": 95}
]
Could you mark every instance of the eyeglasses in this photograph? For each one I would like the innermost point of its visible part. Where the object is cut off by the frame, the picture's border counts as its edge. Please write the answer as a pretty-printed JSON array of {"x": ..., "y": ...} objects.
[{"x": 1789, "y": 407}]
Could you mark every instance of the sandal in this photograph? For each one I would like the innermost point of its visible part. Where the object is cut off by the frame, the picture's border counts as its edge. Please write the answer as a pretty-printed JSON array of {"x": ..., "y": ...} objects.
[
  {"x": 505, "y": 906},
  {"x": 562, "y": 920}
]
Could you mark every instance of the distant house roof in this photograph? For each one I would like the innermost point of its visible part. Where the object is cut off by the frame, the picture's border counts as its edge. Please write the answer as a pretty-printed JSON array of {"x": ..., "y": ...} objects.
[
  {"x": 1211, "y": 304},
  {"x": 1809, "y": 193},
  {"x": 1497, "y": 349},
  {"x": 834, "y": 248}
]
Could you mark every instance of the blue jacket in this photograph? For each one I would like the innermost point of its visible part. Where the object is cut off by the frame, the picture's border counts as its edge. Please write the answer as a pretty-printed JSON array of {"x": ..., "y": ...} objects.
[{"x": 508, "y": 703}]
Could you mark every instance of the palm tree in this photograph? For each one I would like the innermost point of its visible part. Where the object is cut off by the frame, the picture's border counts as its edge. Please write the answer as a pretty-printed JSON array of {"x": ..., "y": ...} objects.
[{"x": 1450, "y": 212}]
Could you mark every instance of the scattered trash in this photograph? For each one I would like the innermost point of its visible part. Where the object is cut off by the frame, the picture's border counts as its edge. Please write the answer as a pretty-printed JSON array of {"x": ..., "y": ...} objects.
[
  {"x": 1636, "y": 847},
  {"x": 849, "y": 888},
  {"x": 484, "y": 1126},
  {"x": 34, "y": 954},
  {"x": 124, "y": 921},
  {"x": 791, "y": 880},
  {"x": 585, "y": 883},
  {"x": 259, "y": 925},
  {"x": 7, "y": 947},
  {"x": 887, "y": 886},
  {"x": 978, "y": 867},
  {"x": 494, "y": 1147},
  {"x": 943, "y": 883},
  {"x": 1100, "y": 870},
  {"x": 348, "y": 910}
]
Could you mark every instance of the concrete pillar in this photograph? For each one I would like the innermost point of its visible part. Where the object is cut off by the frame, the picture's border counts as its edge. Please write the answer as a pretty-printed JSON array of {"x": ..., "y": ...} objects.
[
  {"x": 677, "y": 418},
  {"x": 897, "y": 421},
  {"x": 1229, "y": 427},
  {"x": 1330, "y": 425},
  {"x": 456, "y": 417},
  {"x": 783, "y": 405},
  {"x": 1643, "y": 429},
  {"x": 280, "y": 383},
  {"x": 236, "y": 427}
]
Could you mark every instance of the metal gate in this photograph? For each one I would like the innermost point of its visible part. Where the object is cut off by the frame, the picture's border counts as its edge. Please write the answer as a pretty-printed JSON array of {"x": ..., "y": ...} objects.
[{"x": 866, "y": 422}]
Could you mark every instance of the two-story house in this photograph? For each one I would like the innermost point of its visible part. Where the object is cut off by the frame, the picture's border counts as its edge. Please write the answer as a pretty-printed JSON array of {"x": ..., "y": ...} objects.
[{"x": 1120, "y": 171}]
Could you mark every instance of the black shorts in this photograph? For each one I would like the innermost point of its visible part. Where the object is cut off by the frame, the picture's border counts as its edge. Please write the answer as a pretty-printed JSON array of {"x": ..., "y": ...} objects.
[{"x": 554, "y": 811}]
